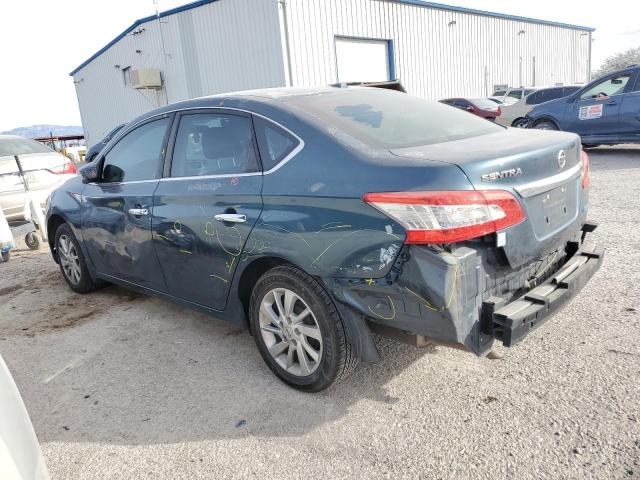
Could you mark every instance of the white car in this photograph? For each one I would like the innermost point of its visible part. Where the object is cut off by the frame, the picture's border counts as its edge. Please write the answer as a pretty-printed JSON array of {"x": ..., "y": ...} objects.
[
  {"x": 511, "y": 95},
  {"x": 513, "y": 115},
  {"x": 20, "y": 455},
  {"x": 44, "y": 169}
]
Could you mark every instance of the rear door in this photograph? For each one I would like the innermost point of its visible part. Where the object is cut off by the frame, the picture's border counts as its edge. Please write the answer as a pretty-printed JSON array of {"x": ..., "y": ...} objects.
[
  {"x": 596, "y": 111},
  {"x": 206, "y": 204},
  {"x": 117, "y": 211},
  {"x": 630, "y": 110}
]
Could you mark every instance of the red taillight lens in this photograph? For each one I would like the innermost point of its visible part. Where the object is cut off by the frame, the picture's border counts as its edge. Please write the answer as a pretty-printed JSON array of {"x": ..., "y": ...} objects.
[
  {"x": 67, "y": 167},
  {"x": 498, "y": 112},
  {"x": 449, "y": 216},
  {"x": 585, "y": 169}
]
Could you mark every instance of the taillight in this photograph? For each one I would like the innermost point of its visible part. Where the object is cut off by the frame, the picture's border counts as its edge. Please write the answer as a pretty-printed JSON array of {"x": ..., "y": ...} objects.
[
  {"x": 498, "y": 112},
  {"x": 585, "y": 169},
  {"x": 449, "y": 216},
  {"x": 67, "y": 167}
]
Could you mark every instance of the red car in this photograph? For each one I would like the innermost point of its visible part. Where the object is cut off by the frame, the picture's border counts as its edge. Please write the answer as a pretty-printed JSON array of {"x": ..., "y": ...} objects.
[{"x": 482, "y": 107}]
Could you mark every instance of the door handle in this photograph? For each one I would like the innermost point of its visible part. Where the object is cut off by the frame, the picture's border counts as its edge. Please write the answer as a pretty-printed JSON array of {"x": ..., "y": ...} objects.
[
  {"x": 231, "y": 218},
  {"x": 138, "y": 212}
]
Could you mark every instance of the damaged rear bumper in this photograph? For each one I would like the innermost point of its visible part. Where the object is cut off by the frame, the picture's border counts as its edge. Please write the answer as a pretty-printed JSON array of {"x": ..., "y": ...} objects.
[
  {"x": 511, "y": 322},
  {"x": 467, "y": 297}
]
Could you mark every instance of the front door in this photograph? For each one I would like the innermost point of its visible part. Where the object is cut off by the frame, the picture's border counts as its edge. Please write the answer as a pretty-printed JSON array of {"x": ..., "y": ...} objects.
[
  {"x": 597, "y": 109},
  {"x": 206, "y": 205},
  {"x": 117, "y": 211},
  {"x": 630, "y": 110}
]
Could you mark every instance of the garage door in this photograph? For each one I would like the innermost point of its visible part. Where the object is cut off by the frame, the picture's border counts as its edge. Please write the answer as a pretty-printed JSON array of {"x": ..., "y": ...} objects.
[{"x": 362, "y": 60}]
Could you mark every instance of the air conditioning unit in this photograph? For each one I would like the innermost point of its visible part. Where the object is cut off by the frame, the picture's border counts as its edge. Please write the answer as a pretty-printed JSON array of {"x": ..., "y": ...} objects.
[{"x": 146, "y": 78}]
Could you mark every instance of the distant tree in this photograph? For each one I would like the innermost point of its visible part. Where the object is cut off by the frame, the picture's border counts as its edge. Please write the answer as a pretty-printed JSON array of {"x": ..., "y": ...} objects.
[{"x": 618, "y": 61}]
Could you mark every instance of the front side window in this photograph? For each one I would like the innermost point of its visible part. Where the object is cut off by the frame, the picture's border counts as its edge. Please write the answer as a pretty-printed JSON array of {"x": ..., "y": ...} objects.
[
  {"x": 275, "y": 143},
  {"x": 213, "y": 144},
  {"x": 608, "y": 87},
  {"x": 137, "y": 155},
  {"x": 533, "y": 98},
  {"x": 389, "y": 119}
]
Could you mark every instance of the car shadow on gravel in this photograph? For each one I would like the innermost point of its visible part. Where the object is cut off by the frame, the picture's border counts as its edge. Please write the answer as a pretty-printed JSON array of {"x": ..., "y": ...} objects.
[
  {"x": 602, "y": 158},
  {"x": 150, "y": 372}
]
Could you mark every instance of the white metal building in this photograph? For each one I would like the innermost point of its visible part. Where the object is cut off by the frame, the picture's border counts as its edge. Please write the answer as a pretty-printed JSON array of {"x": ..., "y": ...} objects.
[{"x": 214, "y": 46}]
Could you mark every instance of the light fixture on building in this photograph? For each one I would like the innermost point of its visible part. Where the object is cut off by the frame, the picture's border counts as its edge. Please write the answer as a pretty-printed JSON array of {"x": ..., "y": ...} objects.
[
  {"x": 522, "y": 32},
  {"x": 451, "y": 23}
]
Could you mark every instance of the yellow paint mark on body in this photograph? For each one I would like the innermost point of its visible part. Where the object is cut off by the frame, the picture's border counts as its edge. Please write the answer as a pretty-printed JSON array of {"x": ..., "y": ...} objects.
[
  {"x": 219, "y": 278},
  {"x": 449, "y": 300},
  {"x": 393, "y": 311},
  {"x": 162, "y": 236},
  {"x": 370, "y": 281}
]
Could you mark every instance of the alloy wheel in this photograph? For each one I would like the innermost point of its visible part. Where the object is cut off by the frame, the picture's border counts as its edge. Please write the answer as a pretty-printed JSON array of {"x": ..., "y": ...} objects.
[
  {"x": 290, "y": 332},
  {"x": 69, "y": 259}
]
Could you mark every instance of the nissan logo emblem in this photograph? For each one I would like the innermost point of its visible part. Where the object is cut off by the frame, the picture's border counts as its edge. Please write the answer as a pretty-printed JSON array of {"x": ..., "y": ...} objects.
[{"x": 562, "y": 159}]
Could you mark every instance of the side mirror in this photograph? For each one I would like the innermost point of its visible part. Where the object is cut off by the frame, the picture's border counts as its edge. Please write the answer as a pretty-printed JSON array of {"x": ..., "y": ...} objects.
[{"x": 90, "y": 172}]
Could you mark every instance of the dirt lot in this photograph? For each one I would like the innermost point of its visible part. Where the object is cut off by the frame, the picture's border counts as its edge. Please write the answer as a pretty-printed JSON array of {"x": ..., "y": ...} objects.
[{"x": 120, "y": 385}]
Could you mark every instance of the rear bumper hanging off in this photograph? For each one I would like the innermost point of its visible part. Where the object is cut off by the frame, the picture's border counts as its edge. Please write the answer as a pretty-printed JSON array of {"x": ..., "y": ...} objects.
[{"x": 512, "y": 321}]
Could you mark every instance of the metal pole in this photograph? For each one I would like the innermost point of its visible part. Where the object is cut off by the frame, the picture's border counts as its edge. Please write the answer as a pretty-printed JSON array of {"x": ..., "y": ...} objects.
[{"x": 21, "y": 172}]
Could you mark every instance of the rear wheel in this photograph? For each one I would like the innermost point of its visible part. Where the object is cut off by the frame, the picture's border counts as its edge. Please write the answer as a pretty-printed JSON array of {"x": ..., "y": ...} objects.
[
  {"x": 519, "y": 123},
  {"x": 545, "y": 125},
  {"x": 298, "y": 330},
  {"x": 6, "y": 256},
  {"x": 72, "y": 262}
]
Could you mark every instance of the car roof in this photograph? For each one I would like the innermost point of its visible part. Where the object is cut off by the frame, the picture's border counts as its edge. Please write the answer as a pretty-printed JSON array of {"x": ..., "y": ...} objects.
[{"x": 12, "y": 137}]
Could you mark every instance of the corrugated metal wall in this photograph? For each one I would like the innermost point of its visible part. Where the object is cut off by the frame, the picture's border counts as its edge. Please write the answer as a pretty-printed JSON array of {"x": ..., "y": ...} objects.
[
  {"x": 218, "y": 47},
  {"x": 232, "y": 45},
  {"x": 435, "y": 58}
]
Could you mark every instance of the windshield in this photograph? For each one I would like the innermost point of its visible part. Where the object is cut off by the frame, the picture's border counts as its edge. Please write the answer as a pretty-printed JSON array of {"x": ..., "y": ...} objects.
[
  {"x": 21, "y": 146},
  {"x": 391, "y": 119}
]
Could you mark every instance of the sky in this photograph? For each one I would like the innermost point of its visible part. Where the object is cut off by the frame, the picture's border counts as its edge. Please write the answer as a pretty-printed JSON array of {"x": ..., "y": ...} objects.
[{"x": 41, "y": 41}]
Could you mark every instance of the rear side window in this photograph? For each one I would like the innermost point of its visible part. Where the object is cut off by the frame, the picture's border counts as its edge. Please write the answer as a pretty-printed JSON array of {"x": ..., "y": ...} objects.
[
  {"x": 213, "y": 144},
  {"x": 569, "y": 90},
  {"x": 515, "y": 94},
  {"x": 275, "y": 143},
  {"x": 137, "y": 155},
  {"x": 389, "y": 119}
]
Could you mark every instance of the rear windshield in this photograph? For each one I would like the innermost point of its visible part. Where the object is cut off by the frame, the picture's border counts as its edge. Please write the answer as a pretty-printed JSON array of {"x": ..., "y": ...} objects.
[
  {"x": 21, "y": 146},
  {"x": 391, "y": 119},
  {"x": 483, "y": 103}
]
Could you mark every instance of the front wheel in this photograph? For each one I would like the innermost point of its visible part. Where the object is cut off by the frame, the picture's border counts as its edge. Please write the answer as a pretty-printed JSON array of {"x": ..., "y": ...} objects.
[
  {"x": 298, "y": 330},
  {"x": 545, "y": 125},
  {"x": 72, "y": 262}
]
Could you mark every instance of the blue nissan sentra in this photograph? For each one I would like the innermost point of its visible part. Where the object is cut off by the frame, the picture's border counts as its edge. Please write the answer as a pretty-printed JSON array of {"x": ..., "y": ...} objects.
[{"x": 314, "y": 217}]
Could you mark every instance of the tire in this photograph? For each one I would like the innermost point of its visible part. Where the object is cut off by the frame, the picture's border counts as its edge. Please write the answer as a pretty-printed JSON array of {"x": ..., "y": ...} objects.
[
  {"x": 545, "y": 125},
  {"x": 6, "y": 256},
  {"x": 321, "y": 330},
  {"x": 32, "y": 240},
  {"x": 519, "y": 123},
  {"x": 80, "y": 280}
]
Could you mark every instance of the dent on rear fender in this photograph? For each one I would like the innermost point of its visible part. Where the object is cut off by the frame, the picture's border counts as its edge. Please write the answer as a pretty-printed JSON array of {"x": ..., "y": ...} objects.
[{"x": 342, "y": 238}]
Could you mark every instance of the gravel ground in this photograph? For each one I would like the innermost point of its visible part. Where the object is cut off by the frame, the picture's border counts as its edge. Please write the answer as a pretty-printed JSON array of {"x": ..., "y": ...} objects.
[{"x": 120, "y": 385}]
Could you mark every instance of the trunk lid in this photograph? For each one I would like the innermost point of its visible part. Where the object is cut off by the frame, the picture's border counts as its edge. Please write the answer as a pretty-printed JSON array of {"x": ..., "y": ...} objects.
[
  {"x": 542, "y": 169},
  {"x": 37, "y": 168}
]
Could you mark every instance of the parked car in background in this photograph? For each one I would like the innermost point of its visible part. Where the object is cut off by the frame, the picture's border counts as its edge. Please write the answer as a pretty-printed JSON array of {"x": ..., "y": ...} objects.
[
  {"x": 44, "y": 169},
  {"x": 316, "y": 216},
  {"x": 511, "y": 95},
  {"x": 97, "y": 148},
  {"x": 514, "y": 114},
  {"x": 606, "y": 111},
  {"x": 482, "y": 107},
  {"x": 20, "y": 454}
]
